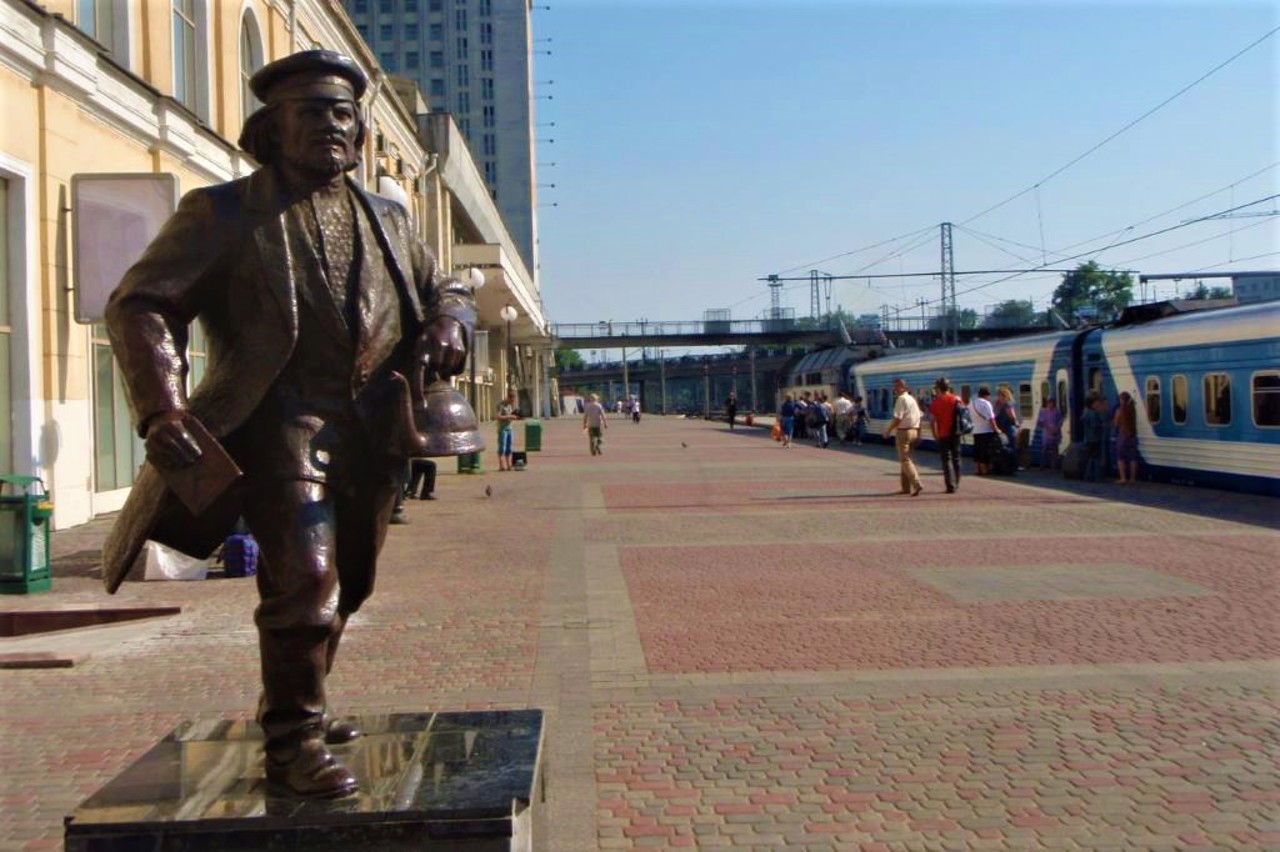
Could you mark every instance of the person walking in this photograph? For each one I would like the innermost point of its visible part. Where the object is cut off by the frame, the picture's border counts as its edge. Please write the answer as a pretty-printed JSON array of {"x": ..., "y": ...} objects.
[
  {"x": 594, "y": 422},
  {"x": 787, "y": 414},
  {"x": 1007, "y": 419},
  {"x": 1049, "y": 422},
  {"x": 859, "y": 422},
  {"x": 905, "y": 427},
  {"x": 507, "y": 414},
  {"x": 942, "y": 421},
  {"x": 1126, "y": 424},
  {"x": 731, "y": 409},
  {"x": 1093, "y": 428},
  {"x": 986, "y": 442}
]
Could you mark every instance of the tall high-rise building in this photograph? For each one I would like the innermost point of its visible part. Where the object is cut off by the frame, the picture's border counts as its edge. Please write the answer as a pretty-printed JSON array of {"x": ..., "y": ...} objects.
[{"x": 474, "y": 59}]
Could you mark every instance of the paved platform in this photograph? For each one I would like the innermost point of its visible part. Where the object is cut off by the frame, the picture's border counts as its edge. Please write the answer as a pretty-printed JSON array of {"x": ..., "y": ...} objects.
[{"x": 748, "y": 647}]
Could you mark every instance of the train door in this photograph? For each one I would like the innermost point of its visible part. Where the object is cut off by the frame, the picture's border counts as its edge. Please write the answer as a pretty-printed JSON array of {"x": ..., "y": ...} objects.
[{"x": 1063, "y": 382}]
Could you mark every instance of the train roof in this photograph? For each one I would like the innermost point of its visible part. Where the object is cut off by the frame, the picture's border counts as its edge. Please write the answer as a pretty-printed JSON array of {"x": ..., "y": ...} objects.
[
  {"x": 1009, "y": 349},
  {"x": 1257, "y": 321}
]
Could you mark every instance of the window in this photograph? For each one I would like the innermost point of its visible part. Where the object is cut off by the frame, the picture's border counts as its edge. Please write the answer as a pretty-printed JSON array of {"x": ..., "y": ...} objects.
[
  {"x": 1180, "y": 394},
  {"x": 96, "y": 18},
  {"x": 1153, "y": 400},
  {"x": 1063, "y": 402},
  {"x": 436, "y": 33},
  {"x": 486, "y": 7},
  {"x": 1217, "y": 399},
  {"x": 363, "y": 29},
  {"x": 486, "y": 88},
  {"x": 464, "y": 75},
  {"x": 462, "y": 47},
  {"x": 384, "y": 6},
  {"x": 411, "y": 5},
  {"x": 460, "y": 19},
  {"x": 464, "y": 125},
  {"x": 486, "y": 33},
  {"x": 1266, "y": 398},
  {"x": 490, "y": 145},
  {"x": 437, "y": 59},
  {"x": 490, "y": 172},
  {"x": 386, "y": 32},
  {"x": 362, "y": 7},
  {"x": 387, "y": 60},
  {"x": 250, "y": 61},
  {"x": 1025, "y": 403},
  {"x": 411, "y": 32},
  {"x": 411, "y": 60},
  {"x": 185, "y": 75},
  {"x": 197, "y": 357},
  {"x": 489, "y": 118},
  {"x": 464, "y": 102},
  {"x": 436, "y": 5},
  {"x": 437, "y": 88},
  {"x": 117, "y": 451},
  {"x": 486, "y": 60},
  {"x": 1095, "y": 380}
]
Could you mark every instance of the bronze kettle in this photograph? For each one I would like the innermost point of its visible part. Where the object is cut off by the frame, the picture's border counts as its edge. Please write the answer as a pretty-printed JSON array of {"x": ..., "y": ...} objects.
[{"x": 445, "y": 421}]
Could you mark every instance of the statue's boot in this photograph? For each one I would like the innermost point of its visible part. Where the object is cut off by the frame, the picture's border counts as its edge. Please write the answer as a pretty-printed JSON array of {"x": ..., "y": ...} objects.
[
  {"x": 292, "y": 716},
  {"x": 308, "y": 770},
  {"x": 336, "y": 729}
]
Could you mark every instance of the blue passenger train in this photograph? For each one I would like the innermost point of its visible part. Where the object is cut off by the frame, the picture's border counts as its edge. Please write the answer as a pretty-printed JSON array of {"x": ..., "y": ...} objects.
[{"x": 1206, "y": 383}]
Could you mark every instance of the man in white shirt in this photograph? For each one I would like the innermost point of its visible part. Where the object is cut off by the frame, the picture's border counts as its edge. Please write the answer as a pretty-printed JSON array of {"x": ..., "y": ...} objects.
[
  {"x": 986, "y": 441},
  {"x": 905, "y": 427},
  {"x": 844, "y": 420}
]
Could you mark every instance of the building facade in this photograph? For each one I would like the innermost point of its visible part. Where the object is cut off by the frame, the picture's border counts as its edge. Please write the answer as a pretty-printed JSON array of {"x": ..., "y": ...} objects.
[
  {"x": 140, "y": 89},
  {"x": 473, "y": 59}
]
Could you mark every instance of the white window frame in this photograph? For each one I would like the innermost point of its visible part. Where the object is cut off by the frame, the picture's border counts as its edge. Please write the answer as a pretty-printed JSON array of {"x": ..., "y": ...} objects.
[{"x": 201, "y": 63}]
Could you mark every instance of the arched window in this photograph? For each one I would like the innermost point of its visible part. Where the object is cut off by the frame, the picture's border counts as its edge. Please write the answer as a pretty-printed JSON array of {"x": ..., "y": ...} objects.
[
  {"x": 251, "y": 60},
  {"x": 191, "y": 55}
]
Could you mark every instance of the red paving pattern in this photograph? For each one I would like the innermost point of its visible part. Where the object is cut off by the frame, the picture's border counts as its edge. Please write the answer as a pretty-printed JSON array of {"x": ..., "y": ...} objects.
[
  {"x": 1189, "y": 768},
  {"x": 836, "y": 606}
]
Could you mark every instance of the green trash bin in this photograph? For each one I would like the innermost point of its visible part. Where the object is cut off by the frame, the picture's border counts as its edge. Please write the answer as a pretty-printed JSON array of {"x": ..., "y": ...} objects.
[
  {"x": 25, "y": 511},
  {"x": 533, "y": 436},
  {"x": 469, "y": 463}
]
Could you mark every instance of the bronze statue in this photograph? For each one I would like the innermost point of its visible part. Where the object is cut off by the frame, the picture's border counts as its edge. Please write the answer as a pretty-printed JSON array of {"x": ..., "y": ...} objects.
[{"x": 317, "y": 298}]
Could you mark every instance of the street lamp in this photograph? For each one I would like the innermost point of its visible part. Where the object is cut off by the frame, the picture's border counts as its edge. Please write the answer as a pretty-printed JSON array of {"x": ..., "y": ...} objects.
[
  {"x": 509, "y": 313},
  {"x": 475, "y": 279}
]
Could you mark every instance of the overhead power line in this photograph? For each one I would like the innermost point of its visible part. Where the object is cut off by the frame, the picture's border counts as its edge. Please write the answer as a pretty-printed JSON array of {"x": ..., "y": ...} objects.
[
  {"x": 1130, "y": 241},
  {"x": 814, "y": 263},
  {"x": 1126, "y": 127}
]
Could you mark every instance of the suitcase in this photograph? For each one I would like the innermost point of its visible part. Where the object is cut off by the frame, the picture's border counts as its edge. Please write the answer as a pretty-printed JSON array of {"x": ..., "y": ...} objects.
[{"x": 1005, "y": 463}]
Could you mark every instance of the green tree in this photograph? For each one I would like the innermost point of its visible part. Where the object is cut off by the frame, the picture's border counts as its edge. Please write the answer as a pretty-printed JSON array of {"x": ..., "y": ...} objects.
[
  {"x": 1203, "y": 291},
  {"x": 1012, "y": 313},
  {"x": 967, "y": 318},
  {"x": 568, "y": 360},
  {"x": 1091, "y": 289}
]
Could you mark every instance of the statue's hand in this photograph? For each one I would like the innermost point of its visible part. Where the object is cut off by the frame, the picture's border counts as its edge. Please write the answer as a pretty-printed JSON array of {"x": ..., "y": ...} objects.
[
  {"x": 446, "y": 349},
  {"x": 168, "y": 442}
]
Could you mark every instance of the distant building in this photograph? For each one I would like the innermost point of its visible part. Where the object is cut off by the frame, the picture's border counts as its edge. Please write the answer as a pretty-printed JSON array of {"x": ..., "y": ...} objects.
[
  {"x": 473, "y": 59},
  {"x": 1256, "y": 288}
]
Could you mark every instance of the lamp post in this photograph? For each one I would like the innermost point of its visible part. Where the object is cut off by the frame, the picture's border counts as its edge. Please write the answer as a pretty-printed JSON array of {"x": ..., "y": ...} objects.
[
  {"x": 471, "y": 463},
  {"x": 509, "y": 314}
]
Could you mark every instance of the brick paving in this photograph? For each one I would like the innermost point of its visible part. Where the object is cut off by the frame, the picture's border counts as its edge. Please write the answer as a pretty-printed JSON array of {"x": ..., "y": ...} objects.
[{"x": 745, "y": 647}]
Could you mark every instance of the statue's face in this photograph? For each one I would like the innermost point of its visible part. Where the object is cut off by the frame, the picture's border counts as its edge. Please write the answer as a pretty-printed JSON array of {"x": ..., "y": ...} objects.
[{"x": 319, "y": 136}]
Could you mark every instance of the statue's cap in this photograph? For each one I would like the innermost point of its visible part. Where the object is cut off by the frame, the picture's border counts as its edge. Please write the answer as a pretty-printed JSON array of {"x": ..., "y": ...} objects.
[{"x": 310, "y": 74}]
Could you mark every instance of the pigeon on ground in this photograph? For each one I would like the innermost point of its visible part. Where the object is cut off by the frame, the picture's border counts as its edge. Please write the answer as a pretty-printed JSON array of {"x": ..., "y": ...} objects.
[
  {"x": 488, "y": 491},
  {"x": 684, "y": 445}
]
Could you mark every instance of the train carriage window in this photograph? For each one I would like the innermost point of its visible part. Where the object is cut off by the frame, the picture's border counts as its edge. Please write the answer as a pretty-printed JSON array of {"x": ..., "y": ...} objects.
[
  {"x": 1095, "y": 380},
  {"x": 1025, "y": 404},
  {"x": 1266, "y": 398},
  {"x": 1217, "y": 399},
  {"x": 1180, "y": 394},
  {"x": 1153, "y": 400}
]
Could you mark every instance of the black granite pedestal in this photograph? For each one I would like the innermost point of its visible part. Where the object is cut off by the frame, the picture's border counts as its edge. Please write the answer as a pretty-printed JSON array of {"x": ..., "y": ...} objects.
[{"x": 433, "y": 781}]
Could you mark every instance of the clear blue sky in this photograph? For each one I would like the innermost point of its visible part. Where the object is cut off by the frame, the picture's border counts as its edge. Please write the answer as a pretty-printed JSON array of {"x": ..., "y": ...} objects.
[{"x": 701, "y": 145}]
